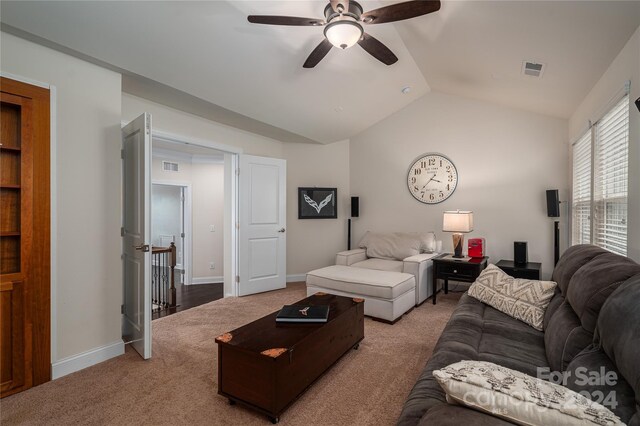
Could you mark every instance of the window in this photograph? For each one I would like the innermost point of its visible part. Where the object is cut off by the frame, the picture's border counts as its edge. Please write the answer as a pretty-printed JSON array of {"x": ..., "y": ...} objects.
[
  {"x": 600, "y": 179},
  {"x": 581, "y": 206}
]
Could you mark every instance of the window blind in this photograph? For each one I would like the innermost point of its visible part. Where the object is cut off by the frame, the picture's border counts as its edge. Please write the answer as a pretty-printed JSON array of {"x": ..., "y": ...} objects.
[
  {"x": 581, "y": 193},
  {"x": 610, "y": 178}
]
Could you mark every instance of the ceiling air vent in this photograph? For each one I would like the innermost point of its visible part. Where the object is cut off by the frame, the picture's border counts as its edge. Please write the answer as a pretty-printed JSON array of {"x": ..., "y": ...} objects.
[
  {"x": 169, "y": 166},
  {"x": 533, "y": 69}
]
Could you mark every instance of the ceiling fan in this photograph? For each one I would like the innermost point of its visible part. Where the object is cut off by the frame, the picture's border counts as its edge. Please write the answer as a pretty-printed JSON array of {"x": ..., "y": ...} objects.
[{"x": 343, "y": 21}]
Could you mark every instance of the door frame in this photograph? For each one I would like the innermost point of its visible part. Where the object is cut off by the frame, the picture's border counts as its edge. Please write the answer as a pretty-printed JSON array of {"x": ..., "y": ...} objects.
[
  {"x": 231, "y": 162},
  {"x": 52, "y": 237},
  {"x": 187, "y": 261}
]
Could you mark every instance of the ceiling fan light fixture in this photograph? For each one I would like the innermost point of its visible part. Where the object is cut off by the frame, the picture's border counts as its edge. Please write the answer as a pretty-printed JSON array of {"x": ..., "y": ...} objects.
[{"x": 343, "y": 33}]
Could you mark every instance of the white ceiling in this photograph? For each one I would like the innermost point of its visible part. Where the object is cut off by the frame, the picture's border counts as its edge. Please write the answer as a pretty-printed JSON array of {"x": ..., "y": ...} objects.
[{"x": 471, "y": 48}]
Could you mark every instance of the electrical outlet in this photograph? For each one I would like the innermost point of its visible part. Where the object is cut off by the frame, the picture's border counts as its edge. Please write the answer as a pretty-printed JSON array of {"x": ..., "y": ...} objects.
[
  {"x": 212, "y": 265},
  {"x": 212, "y": 228}
]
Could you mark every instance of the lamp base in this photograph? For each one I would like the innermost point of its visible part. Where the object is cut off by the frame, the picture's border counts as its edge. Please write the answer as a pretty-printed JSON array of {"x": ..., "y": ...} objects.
[{"x": 458, "y": 241}]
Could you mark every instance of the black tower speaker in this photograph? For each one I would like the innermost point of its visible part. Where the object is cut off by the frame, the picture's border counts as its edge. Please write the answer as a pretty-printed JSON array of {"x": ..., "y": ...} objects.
[
  {"x": 638, "y": 104},
  {"x": 355, "y": 206},
  {"x": 553, "y": 203},
  {"x": 520, "y": 252}
]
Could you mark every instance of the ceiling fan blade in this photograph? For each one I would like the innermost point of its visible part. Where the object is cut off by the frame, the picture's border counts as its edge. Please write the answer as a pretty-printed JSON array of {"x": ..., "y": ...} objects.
[
  {"x": 318, "y": 53},
  {"x": 285, "y": 20},
  {"x": 400, "y": 11},
  {"x": 336, "y": 3},
  {"x": 378, "y": 50}
]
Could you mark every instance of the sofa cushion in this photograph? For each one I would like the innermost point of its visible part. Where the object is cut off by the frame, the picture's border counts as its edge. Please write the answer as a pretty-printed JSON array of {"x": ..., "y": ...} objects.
[
  {"x": 367, "y": 282},
  {"x": 618, "y": 334},
  {"x": 564, "y": 337},
  {"x": 592, "y": 284},
  {"x": 380, "y": 265},
  {"x": 593, "y": 373},
  {"x": 519, "y": 298},
  {"x": 394, "y": 246},
  {"x": 574, "y": 258},
  {"x": 518, "y": 397}
]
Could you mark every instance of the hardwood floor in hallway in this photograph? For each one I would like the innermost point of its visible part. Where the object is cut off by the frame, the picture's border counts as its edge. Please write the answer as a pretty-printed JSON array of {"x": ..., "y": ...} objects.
[{"x": 190, "y": 296}]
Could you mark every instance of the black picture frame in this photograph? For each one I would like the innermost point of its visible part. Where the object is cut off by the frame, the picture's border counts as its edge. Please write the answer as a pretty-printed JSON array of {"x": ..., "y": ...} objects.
[{"x": 316, "y": 206}]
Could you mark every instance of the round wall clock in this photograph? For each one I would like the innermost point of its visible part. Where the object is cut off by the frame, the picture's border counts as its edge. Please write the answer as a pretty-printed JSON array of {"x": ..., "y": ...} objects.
[{"x": 432, "y": 178}]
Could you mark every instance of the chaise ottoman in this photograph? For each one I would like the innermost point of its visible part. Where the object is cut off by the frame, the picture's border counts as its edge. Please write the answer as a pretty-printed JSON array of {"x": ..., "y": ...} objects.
[{"x": 387, "y": 294}]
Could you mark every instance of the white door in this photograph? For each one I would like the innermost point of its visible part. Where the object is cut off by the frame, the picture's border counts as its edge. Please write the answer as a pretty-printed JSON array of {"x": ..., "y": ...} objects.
[
  {"x": 136, "y": 241},
  {"x": 262, "y": 242}
]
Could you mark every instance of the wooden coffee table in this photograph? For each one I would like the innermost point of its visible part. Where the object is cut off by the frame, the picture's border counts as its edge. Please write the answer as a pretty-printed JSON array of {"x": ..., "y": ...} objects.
[{"x": 267, "y": 366}]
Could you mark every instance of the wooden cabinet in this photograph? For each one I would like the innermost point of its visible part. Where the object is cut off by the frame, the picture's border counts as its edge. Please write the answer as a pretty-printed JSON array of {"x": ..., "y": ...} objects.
[
  {"x": 448, "y": 268},
  {"x": 24, "y": 237}
]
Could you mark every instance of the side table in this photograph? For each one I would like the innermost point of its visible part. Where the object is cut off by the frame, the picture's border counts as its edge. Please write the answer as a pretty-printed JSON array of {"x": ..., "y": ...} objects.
[
  {"x": 448, "y": 268},
  {"x": 529, "y": 270}
]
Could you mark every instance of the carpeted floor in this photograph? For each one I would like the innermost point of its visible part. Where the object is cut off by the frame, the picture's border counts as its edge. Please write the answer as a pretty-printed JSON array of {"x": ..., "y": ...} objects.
[{"x": 179, "y": 384}]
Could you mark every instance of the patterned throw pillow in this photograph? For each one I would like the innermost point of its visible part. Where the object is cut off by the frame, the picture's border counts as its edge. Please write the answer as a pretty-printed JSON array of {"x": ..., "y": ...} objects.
[
  {"x": 518, "y": 397},
  {"x": 522, "y": 299}
]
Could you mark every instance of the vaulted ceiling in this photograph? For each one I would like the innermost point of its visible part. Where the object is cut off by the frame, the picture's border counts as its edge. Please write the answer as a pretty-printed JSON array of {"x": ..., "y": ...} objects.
[{"x": 208, "y": 51}]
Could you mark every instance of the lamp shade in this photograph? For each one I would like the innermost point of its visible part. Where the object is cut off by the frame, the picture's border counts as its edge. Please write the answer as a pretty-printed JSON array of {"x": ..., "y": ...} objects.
[{"x": 457, "y": 221}]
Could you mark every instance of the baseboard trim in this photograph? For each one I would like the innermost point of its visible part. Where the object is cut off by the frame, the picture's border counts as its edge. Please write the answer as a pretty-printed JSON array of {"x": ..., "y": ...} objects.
[
  {"x": 86, "y": 359},
  {"x": 296, "y": 277},
  {"x": 207, "y": 280}
]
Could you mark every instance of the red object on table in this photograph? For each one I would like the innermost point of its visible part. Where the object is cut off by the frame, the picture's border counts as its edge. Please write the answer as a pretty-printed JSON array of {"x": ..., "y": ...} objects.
[{"x": 476, "y": 247}]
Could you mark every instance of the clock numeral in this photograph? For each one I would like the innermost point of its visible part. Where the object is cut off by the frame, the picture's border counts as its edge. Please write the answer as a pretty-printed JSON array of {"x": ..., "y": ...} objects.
[
  {"x": 432, "y": 196},
  {"x": 448, "y": 168},
  {"x": 423, "y": 164},
  {"x": 448, "y": 187},
  {"x": 432, "y": 161},
  {"x": 413, "y": 180},
  {"x": 441, "y": 194},
  {"x": 417, "y": 171},
  {"x": 416, "y": 188},
  {"x": 450, "y": 178}
]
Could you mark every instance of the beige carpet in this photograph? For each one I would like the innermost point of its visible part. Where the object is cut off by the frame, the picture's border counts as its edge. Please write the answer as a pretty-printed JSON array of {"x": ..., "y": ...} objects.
[{"x": 179, "y": 384}]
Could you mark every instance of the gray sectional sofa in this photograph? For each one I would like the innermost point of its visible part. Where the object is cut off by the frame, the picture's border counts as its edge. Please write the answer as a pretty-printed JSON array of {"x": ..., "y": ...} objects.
[{"x": 592, "y": 323}]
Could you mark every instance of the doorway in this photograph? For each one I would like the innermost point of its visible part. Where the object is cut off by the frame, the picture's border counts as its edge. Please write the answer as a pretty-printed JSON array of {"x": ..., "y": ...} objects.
[
  {"x": 188, "y": 210},
  {"x": 170, "y": 220}
]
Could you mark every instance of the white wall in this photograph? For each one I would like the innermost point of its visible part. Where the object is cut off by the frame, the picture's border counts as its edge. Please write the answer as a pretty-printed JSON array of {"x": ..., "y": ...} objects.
[
  {"x": 87, "y": 267},
  {"x": 208, "y": 209},
  {"x": 185, "y": 124},
  {"x": 625, "y": 67},
  {"x": 505, "y": 158},
  {"x": 313, "y": 243}
]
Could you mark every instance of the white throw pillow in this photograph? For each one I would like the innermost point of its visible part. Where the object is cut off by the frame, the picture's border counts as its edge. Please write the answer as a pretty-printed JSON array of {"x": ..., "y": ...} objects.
[
  {"x": 518, "y": 397},
  {"x": 522, "y": 299}
]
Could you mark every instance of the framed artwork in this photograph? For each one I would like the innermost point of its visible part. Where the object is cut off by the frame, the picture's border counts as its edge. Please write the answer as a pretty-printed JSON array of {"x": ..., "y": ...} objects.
[{"x": 317, "y": 203}]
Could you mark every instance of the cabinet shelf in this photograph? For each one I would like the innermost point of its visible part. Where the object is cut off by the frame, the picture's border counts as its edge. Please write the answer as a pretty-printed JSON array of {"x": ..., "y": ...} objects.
[
  {"x": 10, "y": 234},
  {"x": 9, "y": 186},
  {"x": 10, "y": 148}
]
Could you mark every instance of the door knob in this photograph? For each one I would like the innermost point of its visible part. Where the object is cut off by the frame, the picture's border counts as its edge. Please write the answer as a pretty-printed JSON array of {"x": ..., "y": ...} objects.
[
  {"x": 143, "y": 247},
  {"x": 281, "y": 230}
]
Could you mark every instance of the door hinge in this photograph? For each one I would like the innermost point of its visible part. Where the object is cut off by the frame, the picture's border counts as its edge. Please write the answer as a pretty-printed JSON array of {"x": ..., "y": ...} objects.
[
  {"x": 122, "y": 231},
  {"x": 237, "y": 225},
  {"x": 182, "y": 235},
  {"x": 238, "y": 171},
  {"x": 148, "y": 122},
  {"x": 122, "y": 309},
  {"x": 238, "y": 278},
  {"x": 122, "y": 154},
  {"x": 181, "y": 271}
]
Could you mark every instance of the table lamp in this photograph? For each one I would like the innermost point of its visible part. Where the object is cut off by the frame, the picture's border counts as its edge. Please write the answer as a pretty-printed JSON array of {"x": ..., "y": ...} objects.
[{"x": 457, "y": 222}]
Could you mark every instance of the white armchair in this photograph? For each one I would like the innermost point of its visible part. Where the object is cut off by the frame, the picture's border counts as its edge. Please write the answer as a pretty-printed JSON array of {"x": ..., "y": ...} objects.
[{"x": 418, "y": 265}]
